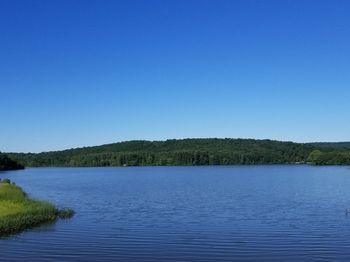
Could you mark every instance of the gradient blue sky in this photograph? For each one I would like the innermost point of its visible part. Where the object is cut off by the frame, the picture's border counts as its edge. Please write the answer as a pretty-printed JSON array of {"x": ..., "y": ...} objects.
[{"x": 77, "y": 73}]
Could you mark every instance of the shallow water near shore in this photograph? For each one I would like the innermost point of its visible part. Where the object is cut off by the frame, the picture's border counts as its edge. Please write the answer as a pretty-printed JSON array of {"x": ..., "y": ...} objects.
[{"x": 221, "y": 213}]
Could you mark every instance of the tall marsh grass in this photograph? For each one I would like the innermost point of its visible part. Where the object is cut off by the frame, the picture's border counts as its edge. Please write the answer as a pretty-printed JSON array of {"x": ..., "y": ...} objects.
[{"x": 19, "y": 212}]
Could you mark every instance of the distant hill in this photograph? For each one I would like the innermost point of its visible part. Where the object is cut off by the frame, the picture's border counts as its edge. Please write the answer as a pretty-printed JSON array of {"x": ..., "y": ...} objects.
[
  {"x": 332, "y": 145},
  {"x": 211, "y": 151},
  {"x": 7, "y": 163}
]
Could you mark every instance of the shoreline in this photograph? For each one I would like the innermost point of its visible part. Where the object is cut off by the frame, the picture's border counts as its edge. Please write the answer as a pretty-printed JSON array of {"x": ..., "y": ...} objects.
[{"x": 232, "y": 165}]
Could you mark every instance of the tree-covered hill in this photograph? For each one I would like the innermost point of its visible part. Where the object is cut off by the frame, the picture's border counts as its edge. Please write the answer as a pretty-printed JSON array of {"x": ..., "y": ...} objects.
[
  {"x": 174, "y": 152},
  {"x": 328, "y": 153},
  {"x": 7, "y": 163},
  {"x": 332, "y": 145},
  {"x": 329, "y": 157}
]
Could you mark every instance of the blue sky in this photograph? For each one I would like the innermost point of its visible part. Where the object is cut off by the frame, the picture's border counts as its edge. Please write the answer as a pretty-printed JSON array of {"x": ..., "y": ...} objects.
[{"x": 78, "y": 73}]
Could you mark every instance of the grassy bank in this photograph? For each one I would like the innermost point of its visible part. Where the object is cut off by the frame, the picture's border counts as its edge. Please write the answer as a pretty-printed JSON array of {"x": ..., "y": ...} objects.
[{"x": 19, "y": 212}]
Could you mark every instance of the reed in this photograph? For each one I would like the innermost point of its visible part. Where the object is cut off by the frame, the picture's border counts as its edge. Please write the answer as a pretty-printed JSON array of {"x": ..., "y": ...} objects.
[{"x": 19, "y": 212}]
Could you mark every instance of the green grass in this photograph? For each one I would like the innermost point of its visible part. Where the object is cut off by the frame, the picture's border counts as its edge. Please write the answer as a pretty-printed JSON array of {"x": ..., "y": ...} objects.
[{"x": 19, "y": 212}]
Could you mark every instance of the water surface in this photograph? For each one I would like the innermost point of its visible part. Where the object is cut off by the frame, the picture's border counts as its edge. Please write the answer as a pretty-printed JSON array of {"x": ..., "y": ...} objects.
[{"x": 237, "y": 213}]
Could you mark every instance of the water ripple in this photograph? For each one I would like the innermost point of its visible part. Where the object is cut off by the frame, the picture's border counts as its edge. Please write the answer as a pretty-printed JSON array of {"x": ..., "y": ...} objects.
[{"x": 258, "y": 213}]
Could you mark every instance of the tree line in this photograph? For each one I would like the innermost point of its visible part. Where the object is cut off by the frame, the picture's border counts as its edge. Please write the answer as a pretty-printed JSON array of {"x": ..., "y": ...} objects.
[
  {"x": 7, "y": 163},
  {"x": 329, "y": 157},
  {"x": 188, "y": 152},
  {"x": 174, "y": 152}
]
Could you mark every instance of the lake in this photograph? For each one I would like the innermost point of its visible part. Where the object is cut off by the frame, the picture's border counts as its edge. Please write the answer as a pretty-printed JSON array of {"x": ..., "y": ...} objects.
[{"x": 215, "y": 213}]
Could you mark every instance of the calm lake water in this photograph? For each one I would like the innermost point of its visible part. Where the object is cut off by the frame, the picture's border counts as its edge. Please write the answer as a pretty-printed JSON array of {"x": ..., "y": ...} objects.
[{"x": 239, "y": 213}]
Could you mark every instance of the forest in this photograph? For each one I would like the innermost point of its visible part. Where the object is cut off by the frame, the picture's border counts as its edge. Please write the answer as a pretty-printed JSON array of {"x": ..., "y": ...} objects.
[
  {"x": 329, "y": 157},
  {"x": 7, "y": 163},
  {"x": 211, "y": 151},
  {"x": 173, "y": 152}
]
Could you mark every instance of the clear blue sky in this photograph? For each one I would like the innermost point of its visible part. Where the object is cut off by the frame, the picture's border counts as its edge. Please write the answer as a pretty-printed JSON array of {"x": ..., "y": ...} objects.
[{"x": 76, "y": 73}]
